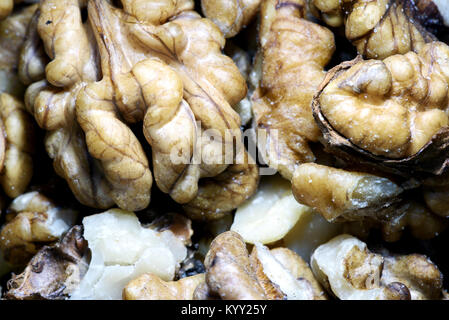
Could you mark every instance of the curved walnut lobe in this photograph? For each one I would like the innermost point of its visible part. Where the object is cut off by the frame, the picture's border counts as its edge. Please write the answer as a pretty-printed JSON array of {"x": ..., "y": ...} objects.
[{"x": 431, "y": 159}]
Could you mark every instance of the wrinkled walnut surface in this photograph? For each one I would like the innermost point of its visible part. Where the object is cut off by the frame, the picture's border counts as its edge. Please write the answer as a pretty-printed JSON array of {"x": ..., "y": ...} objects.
[
  {"x": 294, "y": 52},
  {"x": 390, "y": 113}
]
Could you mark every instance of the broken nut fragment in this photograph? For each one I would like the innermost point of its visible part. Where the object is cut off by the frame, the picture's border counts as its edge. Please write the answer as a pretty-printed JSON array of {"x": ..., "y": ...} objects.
[
  {"x": 54, "y": 272},
  {"x": 270, "y": 214},
  {"x": 150, "y": 287},
  {"x": 349, "y": 270},
  {"x": 340, "y": 195},
  {"x": 233, "y": 274},
  {"x": 32, "y": 221},
  {"x": 230, "y": 15},
  {"x": 378, "y": 28},
  {"x": 122, "y": 250}
]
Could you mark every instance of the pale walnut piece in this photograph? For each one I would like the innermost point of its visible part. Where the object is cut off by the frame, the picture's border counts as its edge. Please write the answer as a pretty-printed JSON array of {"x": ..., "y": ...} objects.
[
  {"x": 293, "y": 53},
  {"x": 233, "y": 274},
  {"x": 54, "y": 272},
  {"x": 70, "y": 46},
  {"x": 390, "y": 114},
  {"x": 122, "y": 250},
  {"x": 270, "y": 214},
  {"x": 350, "y": 271},
  {"x": 378, "y": 28},
  {"x": 32, "y": 221},
  {"x": 12, "y": 36},
  {"x": 341, "y": 195},
  {"x": 150, "y": 287},
  {"x": 230, "y": 16},
  {"x": 164, "y": 66}
]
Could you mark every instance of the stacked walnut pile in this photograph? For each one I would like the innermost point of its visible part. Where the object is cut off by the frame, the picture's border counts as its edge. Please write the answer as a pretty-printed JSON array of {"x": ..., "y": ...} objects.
[{"x": 116, "y": 93}]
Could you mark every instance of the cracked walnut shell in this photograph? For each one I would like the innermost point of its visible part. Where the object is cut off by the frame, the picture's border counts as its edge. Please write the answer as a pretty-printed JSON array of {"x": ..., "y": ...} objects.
[{"x": 390, "y": 114}]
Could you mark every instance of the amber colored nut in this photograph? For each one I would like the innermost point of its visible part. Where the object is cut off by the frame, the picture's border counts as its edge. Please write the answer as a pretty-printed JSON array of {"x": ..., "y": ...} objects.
[
  {"x": 391, "y": 114},
  {"x": 19, "y": 135},
  {"x": 338, "y": 194},
  {"x": 53, "y": 100},
  {"x": 6, "y": 7},
  {"x": 230, "y": 15},
  {"x": 160, "y": 83},
  {"x": 379, "y": 28},
  {"x": 292, "y": 56},
  {"x": 151, "y": 287},
  {"x": 218, "y": 196},
  {"x": 330, "y": 11}
]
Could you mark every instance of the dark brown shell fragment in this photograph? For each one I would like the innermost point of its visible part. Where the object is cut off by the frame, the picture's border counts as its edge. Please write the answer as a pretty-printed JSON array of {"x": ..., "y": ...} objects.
[{"x": 54, "y": 272}]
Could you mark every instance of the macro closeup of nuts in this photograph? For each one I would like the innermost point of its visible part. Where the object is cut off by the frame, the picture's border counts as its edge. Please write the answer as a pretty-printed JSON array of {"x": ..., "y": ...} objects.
[{"x": 224, "y": 150}]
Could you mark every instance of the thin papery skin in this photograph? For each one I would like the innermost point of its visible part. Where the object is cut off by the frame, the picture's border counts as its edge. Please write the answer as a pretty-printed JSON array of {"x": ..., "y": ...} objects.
[
  {"x": 230, "y": 16},
  {"x": 52, "y": 102},
  {"x": 150, "y": 73},
  {"x": 378, "y": 28},
  {"x": 294, "y": 52},
  {"x": 390, "y": 108},
  {"x": 54, "y": 272},
  {"x": 340, "y": 195},
  {"x": 18, "y": 129}
]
